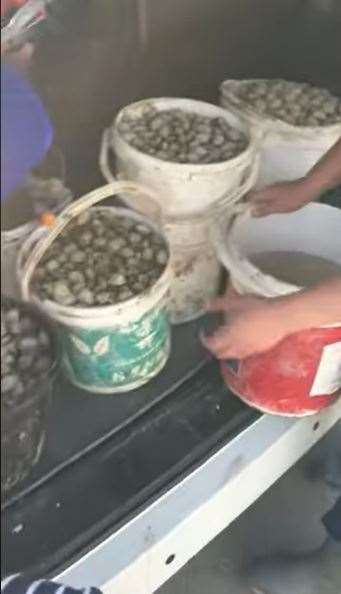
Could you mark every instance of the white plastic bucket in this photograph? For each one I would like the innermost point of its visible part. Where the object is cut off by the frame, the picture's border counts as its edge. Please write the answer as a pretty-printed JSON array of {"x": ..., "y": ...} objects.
[
  {"x": 37, "y": 191},
  {"x": 286, "y": 152},
  {"x": 106, "y": 349},
  {"x": 301, "y": 374},
  {"x": 315, "y": 229},
  {"x": 181, "y": 188},
  {"x": 186, "y": 194}
]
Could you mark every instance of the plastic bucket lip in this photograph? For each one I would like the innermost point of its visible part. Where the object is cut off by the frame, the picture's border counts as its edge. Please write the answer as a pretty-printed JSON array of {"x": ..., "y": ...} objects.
[
  {"x": 189, "y": 167},
  {"x": 226, "y": 243},
  {"x": 49, "y": 374}
]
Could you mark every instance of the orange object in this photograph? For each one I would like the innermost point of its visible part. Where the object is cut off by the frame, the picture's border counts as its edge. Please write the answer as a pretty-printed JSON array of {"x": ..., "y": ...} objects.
[{"x": 47, "y": 219}]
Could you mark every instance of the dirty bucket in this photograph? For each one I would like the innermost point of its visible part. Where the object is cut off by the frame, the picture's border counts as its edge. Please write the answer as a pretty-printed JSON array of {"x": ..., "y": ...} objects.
[
  {"x": 113, "y": 348},
  {"x": 23, "y": 416},
  {"x": 287, "y": 152},
  {"x": 302, "y": 374},
  {"x": 197, "y": 273},
  {"x": 20, "y": 217},
  {"x": 185, "y": 193},
  {"x": 182, "y": 188}
]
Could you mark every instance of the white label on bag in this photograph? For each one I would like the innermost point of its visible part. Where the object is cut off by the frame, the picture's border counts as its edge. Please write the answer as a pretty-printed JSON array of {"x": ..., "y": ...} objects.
[{"x": 328, "y": 376}]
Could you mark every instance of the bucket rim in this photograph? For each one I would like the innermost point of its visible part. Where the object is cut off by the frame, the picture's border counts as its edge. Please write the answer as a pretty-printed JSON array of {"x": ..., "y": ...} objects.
[
  {"x": 256, "y": 278},
  {"x": 190, "y": 167},
  {"x": 160, "y": 286}
]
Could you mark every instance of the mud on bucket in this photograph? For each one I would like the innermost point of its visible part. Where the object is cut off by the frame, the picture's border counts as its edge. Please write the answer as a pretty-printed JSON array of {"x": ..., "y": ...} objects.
[
  {"x": 117, "y": 342},
  {"x": 302, "y": 374}
]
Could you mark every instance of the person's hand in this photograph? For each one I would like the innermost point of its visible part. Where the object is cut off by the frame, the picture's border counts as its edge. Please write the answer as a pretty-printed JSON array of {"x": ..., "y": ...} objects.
[
  {"x": 253, "y": 325},
  {"x": 282, "y": 197}
]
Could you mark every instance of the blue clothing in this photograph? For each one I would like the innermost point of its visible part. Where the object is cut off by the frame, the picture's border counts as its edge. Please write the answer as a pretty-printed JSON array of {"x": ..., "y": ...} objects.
[{"x": 26, "y": 131}]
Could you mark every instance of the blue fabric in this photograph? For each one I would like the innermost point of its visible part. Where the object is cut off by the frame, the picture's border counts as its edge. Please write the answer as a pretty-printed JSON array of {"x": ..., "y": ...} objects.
[{"x": 26, "y": 131}]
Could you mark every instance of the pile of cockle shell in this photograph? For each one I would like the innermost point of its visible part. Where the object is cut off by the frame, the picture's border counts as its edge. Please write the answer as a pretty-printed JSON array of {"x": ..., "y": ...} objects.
[
  {"x": 101, "y": 259},
  {"x": 26, "y": 354},
  {"x": 182, "y": 137},
  {"x": 299, "y": 104}
]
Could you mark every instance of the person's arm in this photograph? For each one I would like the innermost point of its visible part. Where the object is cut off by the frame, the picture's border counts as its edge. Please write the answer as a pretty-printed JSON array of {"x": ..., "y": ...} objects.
[
  {"x": 26, "y": 131},
  {"x": 290, "y": 196},
  {"x": 254, "y": 325}
]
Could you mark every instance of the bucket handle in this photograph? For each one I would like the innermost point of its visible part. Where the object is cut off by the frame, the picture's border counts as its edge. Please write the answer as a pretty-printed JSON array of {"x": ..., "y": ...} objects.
[
  {"x": 246, "y": 185},
  {"x": 71, "y": 212},
  {"x": 28, "y": 247},
  {"x": 104, "y": 157},
  {"x": 221, "y": 227}
]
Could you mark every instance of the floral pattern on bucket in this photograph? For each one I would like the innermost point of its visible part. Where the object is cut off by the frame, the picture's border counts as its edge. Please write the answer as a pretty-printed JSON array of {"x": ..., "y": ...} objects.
[{"x": 115, "y": 359}]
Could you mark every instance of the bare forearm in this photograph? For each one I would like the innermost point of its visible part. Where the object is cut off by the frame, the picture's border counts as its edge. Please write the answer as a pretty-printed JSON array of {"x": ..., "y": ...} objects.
[
  {"x": 318, "y": 306},
  {"x": 290, "y": 196},
  {"x": 326, "y": 174},
  {"x": 255, "y": 325}
]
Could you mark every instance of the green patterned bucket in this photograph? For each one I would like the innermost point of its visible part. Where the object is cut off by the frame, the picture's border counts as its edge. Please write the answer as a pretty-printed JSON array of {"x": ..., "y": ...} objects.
[
  {"x": 113, "y": 348},
  {"x": 120, "y": 357},
  {"x": 116, "y": 348},
  {"x": 121, "y": 350}
]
